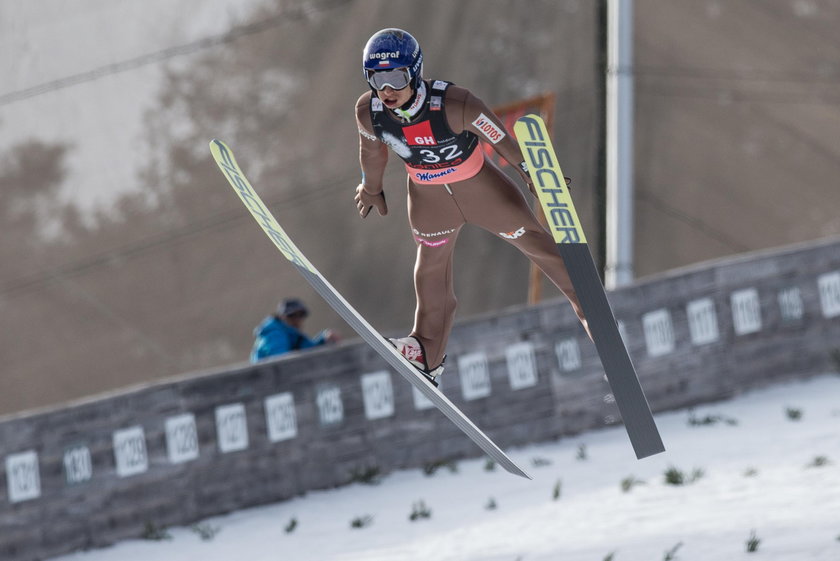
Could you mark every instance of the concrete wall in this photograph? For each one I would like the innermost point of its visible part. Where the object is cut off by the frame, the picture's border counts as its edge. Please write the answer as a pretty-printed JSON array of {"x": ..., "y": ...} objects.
[{"x": 95, "y": 472}]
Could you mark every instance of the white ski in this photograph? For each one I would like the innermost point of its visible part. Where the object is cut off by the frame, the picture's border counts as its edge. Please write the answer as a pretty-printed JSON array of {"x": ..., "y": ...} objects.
[{"x": 227, "y": 163}]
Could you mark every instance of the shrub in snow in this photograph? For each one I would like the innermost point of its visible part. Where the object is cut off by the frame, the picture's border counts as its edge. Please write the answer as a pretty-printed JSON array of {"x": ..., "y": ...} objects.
[
  {"x": 694, "y": 421},
  {"x": 540, "y": 462},
  {"x": 419, "y": 510},
  {"x": 629, "y": 482},
  {"x": 361, "y": 521},
  {"x": 205, "y": 531},
  {"x": 752, "y": 543},
  {"x": 432, "y": 467},
  {"x": 674, "y": 476},
  {"x": 558, "y": 488},
  {"x": 793, "y": 413},
  {"x": 366, "y": 475},
  {"x": 819, "y": 461},
  {"x": 290, "y": 527},
  {"x": 156, "y": 533}
]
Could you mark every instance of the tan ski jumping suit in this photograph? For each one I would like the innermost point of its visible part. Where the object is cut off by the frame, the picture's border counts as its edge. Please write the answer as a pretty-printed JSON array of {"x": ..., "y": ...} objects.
[{"x": 450, "y": 184}]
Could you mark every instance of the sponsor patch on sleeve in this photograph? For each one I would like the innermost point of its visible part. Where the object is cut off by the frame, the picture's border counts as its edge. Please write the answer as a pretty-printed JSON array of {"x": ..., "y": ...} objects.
[
  {"x": 376, "y": 104},
  {"x": 439, "y": 85},
  {"x": 367, "y": 135},
  {"x": 488, "y": 128}
]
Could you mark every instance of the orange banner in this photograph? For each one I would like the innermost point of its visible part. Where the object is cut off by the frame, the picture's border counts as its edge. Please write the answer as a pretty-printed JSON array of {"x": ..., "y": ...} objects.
[{"x": 543, "y": 105}]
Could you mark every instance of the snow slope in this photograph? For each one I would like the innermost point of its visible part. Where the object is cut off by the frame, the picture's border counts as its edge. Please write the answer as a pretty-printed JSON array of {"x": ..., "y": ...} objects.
[{"x": 757, "y": 476}]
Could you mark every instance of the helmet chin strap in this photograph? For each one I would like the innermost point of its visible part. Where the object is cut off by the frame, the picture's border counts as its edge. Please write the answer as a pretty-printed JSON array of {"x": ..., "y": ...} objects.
[{"x": 412, "y": 107}]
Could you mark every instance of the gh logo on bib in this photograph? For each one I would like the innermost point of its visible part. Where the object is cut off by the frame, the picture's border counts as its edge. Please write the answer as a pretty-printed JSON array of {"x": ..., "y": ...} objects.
[{"x": 420, "y": 134}]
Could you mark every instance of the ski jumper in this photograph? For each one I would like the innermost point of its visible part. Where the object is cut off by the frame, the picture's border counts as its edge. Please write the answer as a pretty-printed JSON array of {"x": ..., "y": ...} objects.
[{"x": 451, "y": 183}]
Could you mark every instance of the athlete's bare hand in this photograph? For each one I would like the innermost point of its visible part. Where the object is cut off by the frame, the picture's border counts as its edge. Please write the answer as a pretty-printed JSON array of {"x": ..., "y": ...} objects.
[{"x": 366, "y": 201}]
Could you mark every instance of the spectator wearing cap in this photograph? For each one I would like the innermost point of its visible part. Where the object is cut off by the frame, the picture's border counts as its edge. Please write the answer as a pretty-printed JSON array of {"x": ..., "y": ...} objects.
[{"x": 282, "y": 332}]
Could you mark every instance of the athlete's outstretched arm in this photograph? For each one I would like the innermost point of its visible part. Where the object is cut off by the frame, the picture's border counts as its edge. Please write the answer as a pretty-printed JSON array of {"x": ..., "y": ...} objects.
[
  {"x": 373, "y": 156},
  {"x": 473, "y": 115}
]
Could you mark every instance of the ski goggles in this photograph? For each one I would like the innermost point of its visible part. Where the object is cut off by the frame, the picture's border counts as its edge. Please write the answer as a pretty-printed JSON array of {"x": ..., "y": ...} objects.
[{"x": 397, "y": 78}]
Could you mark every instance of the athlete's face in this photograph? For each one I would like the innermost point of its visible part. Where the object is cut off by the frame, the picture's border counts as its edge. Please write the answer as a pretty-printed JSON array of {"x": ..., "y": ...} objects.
[{"x": 394, "y": 98}]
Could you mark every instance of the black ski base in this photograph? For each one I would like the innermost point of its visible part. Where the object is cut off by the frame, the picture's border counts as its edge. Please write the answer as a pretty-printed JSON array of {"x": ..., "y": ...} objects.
[{"x": 622, "y": 377}]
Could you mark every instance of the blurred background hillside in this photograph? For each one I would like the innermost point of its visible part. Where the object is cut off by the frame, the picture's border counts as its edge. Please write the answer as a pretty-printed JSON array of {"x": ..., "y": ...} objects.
[{"x": 126, "y": 258}]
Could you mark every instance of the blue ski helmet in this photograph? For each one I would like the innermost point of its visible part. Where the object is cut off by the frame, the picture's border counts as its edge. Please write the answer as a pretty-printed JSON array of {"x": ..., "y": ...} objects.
[{"x": 393, "y": 48}]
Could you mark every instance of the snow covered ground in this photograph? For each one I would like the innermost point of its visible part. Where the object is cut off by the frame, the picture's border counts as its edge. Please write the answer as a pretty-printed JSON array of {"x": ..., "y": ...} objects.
[{"x": 763, "y": 474}]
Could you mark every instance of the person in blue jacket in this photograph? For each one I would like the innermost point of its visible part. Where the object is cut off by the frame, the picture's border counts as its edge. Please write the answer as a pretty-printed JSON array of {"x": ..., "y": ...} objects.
[{"x": 283, "y": 332}]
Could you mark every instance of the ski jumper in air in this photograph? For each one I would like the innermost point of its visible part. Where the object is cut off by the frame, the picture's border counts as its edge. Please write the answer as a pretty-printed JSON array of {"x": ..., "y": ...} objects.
[{"x": 435, "y": 127}]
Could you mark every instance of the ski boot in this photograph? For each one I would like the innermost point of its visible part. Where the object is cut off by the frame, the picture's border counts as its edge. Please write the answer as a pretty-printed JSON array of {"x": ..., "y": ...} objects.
[{"x": 412, "y": 349}]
